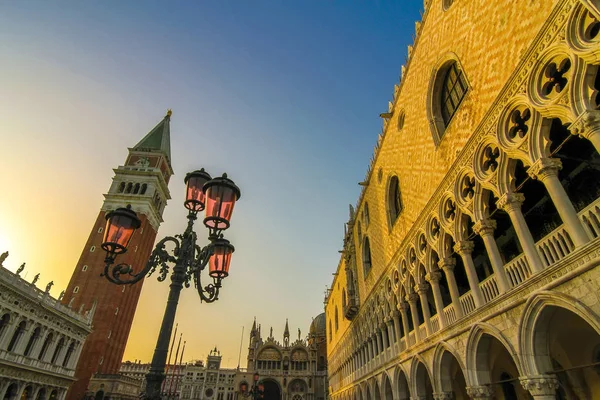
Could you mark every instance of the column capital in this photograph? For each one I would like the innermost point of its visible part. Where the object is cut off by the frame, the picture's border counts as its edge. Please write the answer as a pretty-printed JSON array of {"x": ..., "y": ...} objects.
[
  {"x": 433, "y": 277},
  {"x": 447, "y": 263},
  {"x": 587, "y": 124},
  {"x": 540, "y": 385},
  {"x": 464, "y": 247},
  {"x": 510, "y": 201},
  {"x": 483, "y": 392},
  {"x": 421, "y": 288},
  {"x": 485, "y": 226},
  {"x": 544, "y": 168},
  {"x": 443, "y": 396},
  {"x": 412, "y": 297},
  {"x": 403, "y": 306},
  {"x": 396, "y": 313}
]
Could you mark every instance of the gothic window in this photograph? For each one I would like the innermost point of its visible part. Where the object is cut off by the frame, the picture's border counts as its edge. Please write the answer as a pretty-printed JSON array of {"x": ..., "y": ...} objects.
[
  {"x": 45, "y": 346},
  {"x": 121, "y": 187},
  {"x": 143, "y": 189},
  {"x": 100, "y": 230},
  {"x": 76, "y": 290},
  {"x": 84, "y": 268},
  {"x": 344, "y": 298},
  {"x": 366, "y": 256},
  {"x": 92, "y": 249},
  {"x": 32, "y": 340},
  {"x": 401, "y": 120},
  {"x": 129, "y": 187},
  {"x": 330, "y": 332},
  {"x": 16, "y": 336},
  {"x": 336, "y": 319},
  {"x": 453, "y": 91},
  {"x": 136, "y": 188},
  {"x": 59, "y": 347},
  {"x": 446, "y": 4},
  {"x": 394, "y": 200}
]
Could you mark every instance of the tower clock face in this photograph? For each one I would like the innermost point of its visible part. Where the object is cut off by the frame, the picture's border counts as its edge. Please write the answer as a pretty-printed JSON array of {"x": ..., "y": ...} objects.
[{"x": 213, "y": 366}]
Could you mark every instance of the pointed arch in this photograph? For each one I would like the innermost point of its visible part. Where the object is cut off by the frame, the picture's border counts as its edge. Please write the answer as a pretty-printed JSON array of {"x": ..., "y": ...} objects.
[{"x": 531, "y": 340}]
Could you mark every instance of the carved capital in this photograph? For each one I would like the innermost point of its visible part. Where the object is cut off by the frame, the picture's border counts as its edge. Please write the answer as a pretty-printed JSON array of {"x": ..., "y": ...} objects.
[
  {"x": 464, "y": 247},
  {"x": 483, "y": 392},
  {"x": 433, "y": 277},
  {"x": 447, "y": 264},
  {"x": 540, "y": 385},
  {"x": 485, "y": 226},
  {"x": 422, "y": 288},
  {"x": 545, "y": 168},
  {"x": 403, "y": 306},
  {"x": 587, "y": 124},
  {"x": 412, "y": 297},
  {"x": 443, "y": 396},
  {"x": 510, "y": 201},
  {"x": 396, "y": 313}
]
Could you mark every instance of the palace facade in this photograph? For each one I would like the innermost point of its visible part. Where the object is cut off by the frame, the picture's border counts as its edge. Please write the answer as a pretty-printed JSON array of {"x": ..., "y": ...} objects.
[
  {"x": 469, "y": 267},
  {"x": 40, "y": 340}
]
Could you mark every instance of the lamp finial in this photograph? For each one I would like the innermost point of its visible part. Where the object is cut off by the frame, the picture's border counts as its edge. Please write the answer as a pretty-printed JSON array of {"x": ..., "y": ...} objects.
[{"x": 169, "y": 112}]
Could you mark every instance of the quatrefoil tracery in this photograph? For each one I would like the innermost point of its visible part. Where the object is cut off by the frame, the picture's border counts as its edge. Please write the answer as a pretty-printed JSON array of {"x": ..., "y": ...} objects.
[
  {"x": 435, "y": 228},
  {"x": 468, "y": 187},
  {"x": 555, "y": 74},
  {"x": 519, "y": 121},
  {"x": 449, "y": 210},
  {"x": 490, "y": 160}
]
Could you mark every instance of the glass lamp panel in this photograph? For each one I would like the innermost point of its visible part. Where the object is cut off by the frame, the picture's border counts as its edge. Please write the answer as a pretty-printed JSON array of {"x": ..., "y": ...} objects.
[
  {"x": 195, "y": 198},
  {"x": 220, "y": 200},
  {"x": 220, "y": 260},
  {"x": 118, "y": 232},
  {"x": 244, "y": 388}
]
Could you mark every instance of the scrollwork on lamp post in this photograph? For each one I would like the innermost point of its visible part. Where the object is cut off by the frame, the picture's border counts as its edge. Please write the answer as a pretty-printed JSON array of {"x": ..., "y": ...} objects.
[{"x": 217, "y": 196}]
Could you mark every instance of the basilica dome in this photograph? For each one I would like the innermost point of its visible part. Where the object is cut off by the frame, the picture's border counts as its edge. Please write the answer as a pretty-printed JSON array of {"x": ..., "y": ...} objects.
[{"x": 317, "y": 327}]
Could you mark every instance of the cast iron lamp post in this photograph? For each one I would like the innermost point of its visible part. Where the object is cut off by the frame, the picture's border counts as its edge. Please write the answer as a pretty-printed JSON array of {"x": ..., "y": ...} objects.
[
  {"x": 218, "y": 196},
  {"x": 257, "y": 391}
]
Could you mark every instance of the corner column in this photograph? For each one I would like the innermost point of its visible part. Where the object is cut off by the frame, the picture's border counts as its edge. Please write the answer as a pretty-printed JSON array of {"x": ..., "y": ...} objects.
[
  {"x": 541, "y": 387},
  {"x": 412, "y": 301},
  {"x": 422, "y": 291}
]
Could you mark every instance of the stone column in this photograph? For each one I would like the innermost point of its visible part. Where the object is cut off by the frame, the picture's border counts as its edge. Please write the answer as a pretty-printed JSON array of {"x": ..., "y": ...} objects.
[
  {"x": 465, "y": 248},
  {"x": 422, "y": 291},
  {"x": 403, "y": 310},
  {"x": 546, "y": 171},
  {"x": 485, "y": 228},
  {"x": 541, "y": 387},
  {"x": 75, "y": 357},
  {"x": 412, "y": 301},
  {"x": 447, "y": 265},
  {"x": 434, "y": 279},
  {"x": 511, "y": 203},
  {"x": 483, "y": 392},
  {"x": 396, "y": 319},
  {"x": 378, "y": 342},
  {"x": 9, "y": 331},
  {"x": 24, "y": 339},
  {"x": 371, "y": 352},
  {"x": 384, "y": 335},
  {"x": 392, "y": 338},
  {"x": 443, "y": 396}
]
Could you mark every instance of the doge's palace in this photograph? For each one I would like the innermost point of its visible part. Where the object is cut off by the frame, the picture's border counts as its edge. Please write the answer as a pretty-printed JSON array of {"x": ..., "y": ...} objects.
[
  {"x": 40, "y": 340},
  {"x": 469, "y": 267}
]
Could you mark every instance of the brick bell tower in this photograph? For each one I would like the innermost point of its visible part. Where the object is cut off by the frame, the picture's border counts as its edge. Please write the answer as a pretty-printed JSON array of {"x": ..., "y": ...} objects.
[{"x": 142, "y": 182}]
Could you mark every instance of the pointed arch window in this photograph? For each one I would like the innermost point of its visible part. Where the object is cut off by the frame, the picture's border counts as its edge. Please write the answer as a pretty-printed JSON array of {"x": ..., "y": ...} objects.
[
  {"x": 366, "y": 256},
  {"x": 366, "y": 215},
  {"x": 394, "y": 199},
  {"x": 336, "y": 319},
  {"x": 454, "y": 89}
]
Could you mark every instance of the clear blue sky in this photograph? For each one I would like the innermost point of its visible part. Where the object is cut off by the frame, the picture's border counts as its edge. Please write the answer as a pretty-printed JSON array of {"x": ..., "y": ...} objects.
[{"x": 284, "y": 96}]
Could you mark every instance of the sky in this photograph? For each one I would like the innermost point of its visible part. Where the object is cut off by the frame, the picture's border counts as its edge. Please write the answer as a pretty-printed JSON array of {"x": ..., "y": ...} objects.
[{"x": 284, "y": 96}]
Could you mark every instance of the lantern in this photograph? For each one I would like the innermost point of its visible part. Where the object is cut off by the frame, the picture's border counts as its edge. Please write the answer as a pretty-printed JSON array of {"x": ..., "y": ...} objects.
[
  {"x": 120, "y": 225},
  {"x": 194, "y": 196},
  {"x": 220, "y": 258},
  {"x": 221, "y": 195},
  {"x": 256, "y": 377},
  {"x": 243, "y": 388}
]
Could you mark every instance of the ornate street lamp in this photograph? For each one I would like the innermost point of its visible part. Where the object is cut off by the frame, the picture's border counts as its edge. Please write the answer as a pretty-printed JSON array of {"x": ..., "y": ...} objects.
[
  {"x": 258, "y": 389},
  {"x": 218, "y": 196}
]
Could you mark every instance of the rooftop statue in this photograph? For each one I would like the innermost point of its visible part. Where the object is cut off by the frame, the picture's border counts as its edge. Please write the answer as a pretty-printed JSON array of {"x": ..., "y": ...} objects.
[
  {"x": 20, "y": 269},
  {"x": 3, "y": 257},
  {"x": 49, "y": 286},
  {"x": 35, "y": 278}
]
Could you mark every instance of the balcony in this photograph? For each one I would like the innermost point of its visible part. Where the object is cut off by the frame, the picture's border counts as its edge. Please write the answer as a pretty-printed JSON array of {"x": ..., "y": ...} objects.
[{"x": 33, "y": 364}]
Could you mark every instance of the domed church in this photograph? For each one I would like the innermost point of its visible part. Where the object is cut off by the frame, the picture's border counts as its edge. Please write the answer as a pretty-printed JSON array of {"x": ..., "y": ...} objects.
[{"x": 289, "y": 370}]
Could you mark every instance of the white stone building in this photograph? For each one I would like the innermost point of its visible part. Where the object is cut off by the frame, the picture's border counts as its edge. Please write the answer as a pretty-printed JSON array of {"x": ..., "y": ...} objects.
[{"x": 40, "y": 340}]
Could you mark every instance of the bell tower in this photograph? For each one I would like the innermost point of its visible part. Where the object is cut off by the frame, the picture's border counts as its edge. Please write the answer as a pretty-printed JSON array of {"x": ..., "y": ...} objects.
[{"x": 142, "y": 182}]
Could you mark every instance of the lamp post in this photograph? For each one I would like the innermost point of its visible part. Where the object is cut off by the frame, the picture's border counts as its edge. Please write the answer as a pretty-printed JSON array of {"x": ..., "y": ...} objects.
[
  {"x": 258, "y": 390},
  {"x": 218, "y": 197}
]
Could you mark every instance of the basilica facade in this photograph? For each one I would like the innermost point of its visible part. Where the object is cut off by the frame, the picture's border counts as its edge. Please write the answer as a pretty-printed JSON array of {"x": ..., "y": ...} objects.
[
  {"x": 292, "y": 370},
  {"x": 469, "y": 267}
]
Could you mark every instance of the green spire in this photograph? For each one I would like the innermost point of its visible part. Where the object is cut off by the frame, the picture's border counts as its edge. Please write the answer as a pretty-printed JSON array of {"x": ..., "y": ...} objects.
[{"x": 158, "y": 138}]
